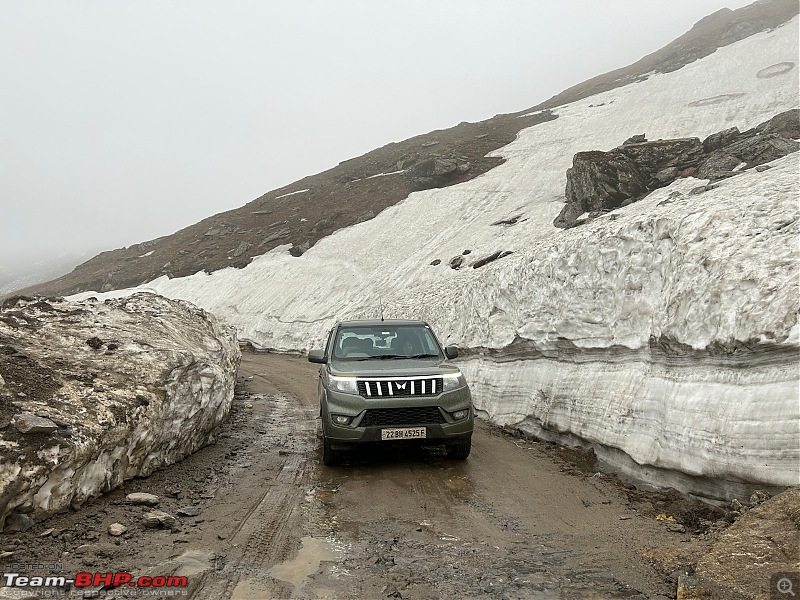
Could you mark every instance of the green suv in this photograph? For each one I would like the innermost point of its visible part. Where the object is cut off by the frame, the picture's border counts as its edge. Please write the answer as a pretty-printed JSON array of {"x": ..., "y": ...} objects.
[{"x": 384, "y": 382}]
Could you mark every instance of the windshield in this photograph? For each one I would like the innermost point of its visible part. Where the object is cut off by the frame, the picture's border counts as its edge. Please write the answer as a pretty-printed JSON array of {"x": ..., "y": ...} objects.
[{"x": 385, "y": 342}]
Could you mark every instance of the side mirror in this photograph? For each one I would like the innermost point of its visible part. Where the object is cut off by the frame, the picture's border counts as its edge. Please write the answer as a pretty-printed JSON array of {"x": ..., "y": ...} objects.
[
  {"x": 450, "y": 352},
  {"x": 317, "y": 356}
]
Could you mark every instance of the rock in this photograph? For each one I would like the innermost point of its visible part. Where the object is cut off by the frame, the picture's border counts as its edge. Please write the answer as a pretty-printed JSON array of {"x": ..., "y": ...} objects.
[
  {"x": 241, "y": 249},
  {"x": 436, "y": 261},
  {"x": 785, "y": 124},
  {"x": 762, "y": 148},
  {"x": 652, "y": 157},
  {"x": 465, "y": 252},
  {"x": 2, "y": 383},
  {"x": 188, "y": 511},
  {"x": 28, "y": 423},
  {"x": 278, "y": 235},
  {"x": 510, "y": 221},
  {"x": 456, "y": 262},
  {"x": 158, "y": 518},
  {"x": 94, "y": 342},
  {"x": 440, "y": 167},
  {"x": 717, "y": 165},
  {"x": 492, "y": 257},
  {"x": 365, "y": 217},
  {"x": 676, "y": 528},
  {"x": 636, "y": 139},
  {"x": 762, "y": 168},
  {"x": 116, "y": 529},
  {"x": 759, "y": 497},
  {"x": 666, "y": 176},
  {"x": 142, "y": 498},
  {"x": 301, "y": 249},
  {"x": 720, "y": 139},
  {"x": 17, "y": 522},
  {"x": 600, "y": 180}
]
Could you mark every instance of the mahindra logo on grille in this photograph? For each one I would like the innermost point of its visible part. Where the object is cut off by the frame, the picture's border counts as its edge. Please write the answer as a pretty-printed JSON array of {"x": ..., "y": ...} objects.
[{"x": 417, "y": 386}]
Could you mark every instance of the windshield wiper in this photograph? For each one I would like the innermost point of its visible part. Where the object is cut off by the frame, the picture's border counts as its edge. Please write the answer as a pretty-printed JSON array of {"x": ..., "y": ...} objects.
[
  {"x": 385, "y": 356},
  {"x": 424, "y": 356}
]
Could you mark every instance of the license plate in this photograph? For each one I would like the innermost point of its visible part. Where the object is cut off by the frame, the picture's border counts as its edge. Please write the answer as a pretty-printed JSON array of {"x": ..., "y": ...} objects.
[{"x": 404, "y": 433}]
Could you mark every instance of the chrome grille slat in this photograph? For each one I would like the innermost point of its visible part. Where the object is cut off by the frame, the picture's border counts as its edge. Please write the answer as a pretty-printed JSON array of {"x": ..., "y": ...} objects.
[{"x": 418, "y": 386}]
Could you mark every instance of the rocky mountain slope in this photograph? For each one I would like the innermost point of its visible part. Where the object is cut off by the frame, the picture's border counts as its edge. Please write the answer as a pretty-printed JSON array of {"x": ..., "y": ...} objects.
[{"x": 358, "y": 189}]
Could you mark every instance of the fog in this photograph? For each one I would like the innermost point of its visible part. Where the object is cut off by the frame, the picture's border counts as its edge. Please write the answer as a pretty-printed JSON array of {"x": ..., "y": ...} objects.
[{"x": 125, "y": 121}]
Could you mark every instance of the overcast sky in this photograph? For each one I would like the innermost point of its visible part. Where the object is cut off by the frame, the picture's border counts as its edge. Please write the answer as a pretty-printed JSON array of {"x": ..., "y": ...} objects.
[{"x": 122, "y": 121}]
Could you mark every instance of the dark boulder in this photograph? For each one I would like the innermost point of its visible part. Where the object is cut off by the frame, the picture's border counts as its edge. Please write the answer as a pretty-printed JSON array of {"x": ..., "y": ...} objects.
[
  {"x": 440, "y": 167},
  {"x": 600, "y": 181},
  {"x": 718, "y": 165},
  {"x": 456, "y": 262},
  {"x": 491, "y": 258},
  {"x": 720, "y": 139},
  {"x": 635, "y": 139},
  {"x": 652, "y": 157},
  {"x": 300, "y": 250},
  {"x": 762, "y": 148},
  {"x": 785, "y": 124}
]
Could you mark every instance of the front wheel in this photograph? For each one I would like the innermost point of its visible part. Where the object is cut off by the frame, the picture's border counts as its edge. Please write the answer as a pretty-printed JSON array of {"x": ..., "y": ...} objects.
[
  {"x": 459, "y": 451},
  {"x": 330, "y": 457}
]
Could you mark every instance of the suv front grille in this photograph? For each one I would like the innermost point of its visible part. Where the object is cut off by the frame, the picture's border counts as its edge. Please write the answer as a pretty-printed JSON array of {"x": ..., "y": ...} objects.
[
  {"x": 428, "y": 386},
  {"x": 383, "y": 417}
]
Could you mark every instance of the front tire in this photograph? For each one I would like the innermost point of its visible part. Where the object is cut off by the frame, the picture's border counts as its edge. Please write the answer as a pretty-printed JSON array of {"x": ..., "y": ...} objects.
[
  {"x": 330, "y": 457},
  {"x": 459, "y": 451}
]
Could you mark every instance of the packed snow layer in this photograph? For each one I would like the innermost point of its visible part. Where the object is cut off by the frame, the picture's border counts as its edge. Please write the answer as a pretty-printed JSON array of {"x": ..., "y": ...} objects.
[
  {"x": 137, "y": 384},
  {"x": 697, "y": 274}
]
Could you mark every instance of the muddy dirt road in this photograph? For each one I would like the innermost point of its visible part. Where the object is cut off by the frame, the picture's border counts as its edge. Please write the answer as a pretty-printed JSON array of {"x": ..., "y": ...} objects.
[{"x": 260, "y": 517}]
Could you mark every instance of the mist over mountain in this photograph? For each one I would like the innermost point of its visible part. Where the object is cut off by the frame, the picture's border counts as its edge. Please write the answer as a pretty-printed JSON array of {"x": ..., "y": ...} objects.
[{"x": 350, "y": 192}]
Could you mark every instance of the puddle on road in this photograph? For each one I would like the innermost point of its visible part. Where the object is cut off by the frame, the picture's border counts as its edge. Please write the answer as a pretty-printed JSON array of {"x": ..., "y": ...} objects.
[
  {"x": 307, "y": 562},
  {"x": 460, "y": 486}
]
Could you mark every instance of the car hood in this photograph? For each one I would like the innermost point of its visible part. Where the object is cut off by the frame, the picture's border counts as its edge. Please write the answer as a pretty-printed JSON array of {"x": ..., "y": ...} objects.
[{"x": 393, "y": 367}]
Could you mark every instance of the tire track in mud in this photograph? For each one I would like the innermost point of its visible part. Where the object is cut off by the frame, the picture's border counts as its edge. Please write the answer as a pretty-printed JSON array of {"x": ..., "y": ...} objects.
[{"x": 267, "y": 534}]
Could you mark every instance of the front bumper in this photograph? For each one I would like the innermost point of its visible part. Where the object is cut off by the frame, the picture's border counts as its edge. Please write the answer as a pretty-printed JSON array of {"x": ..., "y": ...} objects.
[{"x": 450, "y": 431}]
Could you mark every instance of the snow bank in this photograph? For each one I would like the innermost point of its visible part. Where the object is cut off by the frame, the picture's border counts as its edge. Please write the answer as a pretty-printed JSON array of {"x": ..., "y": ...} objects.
[{"x": 117, "y": 390}]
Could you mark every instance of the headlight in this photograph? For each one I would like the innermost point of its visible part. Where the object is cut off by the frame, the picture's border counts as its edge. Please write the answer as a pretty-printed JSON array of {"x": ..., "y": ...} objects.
[
  {"x": 343, "y": 384},
  {"x": 453, "y": 381}
]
